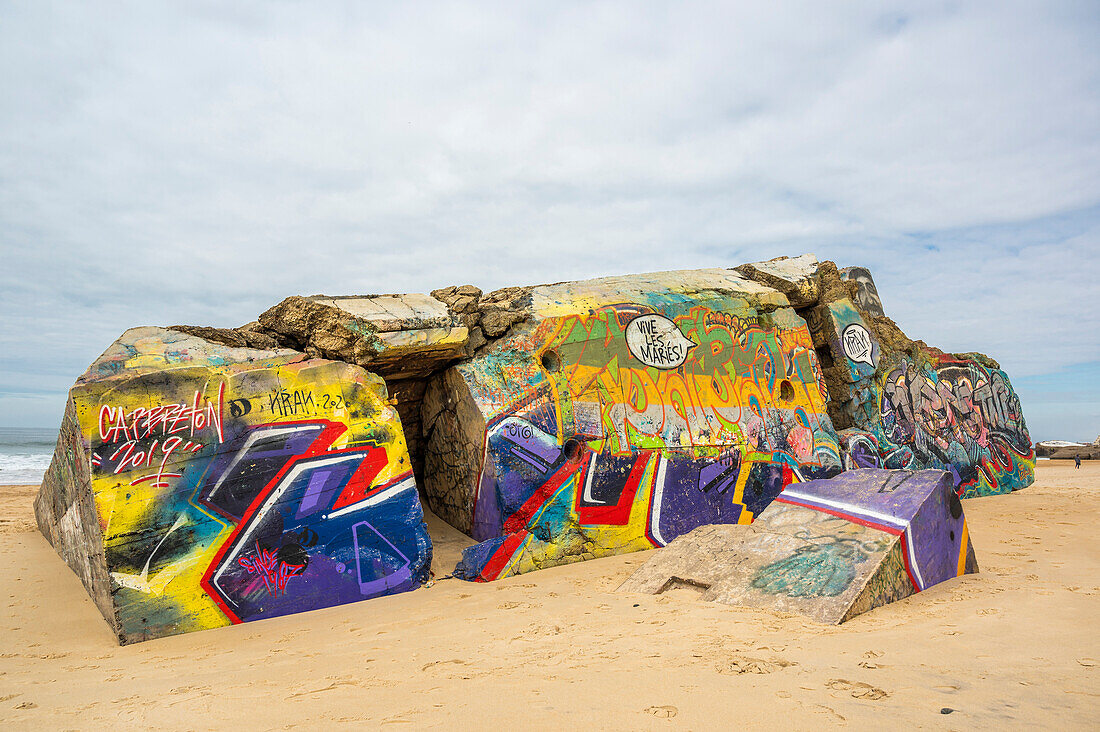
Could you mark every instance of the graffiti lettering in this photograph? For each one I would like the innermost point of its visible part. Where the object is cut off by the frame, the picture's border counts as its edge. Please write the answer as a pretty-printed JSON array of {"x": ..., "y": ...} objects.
[
  {"x": 857, "y": 344},
  {"x": 129, "y": 457},
  {"x": 274, "y": 572},
  {"x": 116, "y": 423},
  {"x": 733, "y": 322},
  {"x": 958, "y": 417},
  {"x": 291, "y": 403},
  {"x": 331, "y": 402},
  {"x": 657, "y": 341},
  {"x": 173, "y": 428}
]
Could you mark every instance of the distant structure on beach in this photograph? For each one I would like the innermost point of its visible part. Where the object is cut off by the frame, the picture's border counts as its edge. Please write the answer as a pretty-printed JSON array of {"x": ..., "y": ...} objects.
[
  {"x": 211, "y": 476},
  {"x": 1065, "y": 450}
]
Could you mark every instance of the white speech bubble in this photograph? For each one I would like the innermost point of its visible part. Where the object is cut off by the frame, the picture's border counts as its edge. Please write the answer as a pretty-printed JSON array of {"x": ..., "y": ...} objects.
[
  {"x": 657, "y": 341},
  {"x": 857, "y": 344}
]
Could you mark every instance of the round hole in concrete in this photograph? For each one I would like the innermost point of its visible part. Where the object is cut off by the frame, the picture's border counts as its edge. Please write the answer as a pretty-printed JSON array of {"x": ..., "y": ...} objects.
[
  {"x": 954, "y": 505},
  {"x": 550, "y": 361},
  {"x": 572, "y": 449},
  {"x": 786, "y": 390}
]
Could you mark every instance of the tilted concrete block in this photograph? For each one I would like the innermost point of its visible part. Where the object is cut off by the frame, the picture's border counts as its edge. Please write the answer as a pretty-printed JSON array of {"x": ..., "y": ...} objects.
[
  {"x": 398, "y": 336},
  {"x": 616, "y": 414},
  {"x": 921, "y": 408},
  {"x": 197, "y": 485},
  {"x": 795, "y": 277},
  {"x": 829, "y": 549}
]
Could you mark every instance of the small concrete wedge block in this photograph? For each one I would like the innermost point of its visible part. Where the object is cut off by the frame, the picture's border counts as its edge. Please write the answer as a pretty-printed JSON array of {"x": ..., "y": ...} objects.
[
  {"x": 198, "y": 485},
  {"x": 828, "y": 549},
  {"x": 619, "y": 413}
]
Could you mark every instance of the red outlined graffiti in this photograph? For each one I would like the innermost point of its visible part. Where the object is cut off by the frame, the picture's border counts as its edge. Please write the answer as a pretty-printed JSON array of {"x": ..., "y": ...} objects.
[
  {"x": 273, "y": 571},
  {"x": 358, "y": 489}
]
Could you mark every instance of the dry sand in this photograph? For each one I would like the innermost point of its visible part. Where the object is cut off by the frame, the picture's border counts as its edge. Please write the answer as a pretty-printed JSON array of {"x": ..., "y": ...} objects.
[{"x": 1014, "y": 646}]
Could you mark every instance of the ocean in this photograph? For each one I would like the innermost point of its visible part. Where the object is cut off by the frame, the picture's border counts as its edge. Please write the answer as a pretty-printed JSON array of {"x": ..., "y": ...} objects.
[{"x": 25, "y": 454}]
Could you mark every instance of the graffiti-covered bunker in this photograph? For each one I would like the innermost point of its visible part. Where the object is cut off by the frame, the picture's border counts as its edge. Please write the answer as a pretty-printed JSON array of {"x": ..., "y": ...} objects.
[{"x": 206, "y": 477}]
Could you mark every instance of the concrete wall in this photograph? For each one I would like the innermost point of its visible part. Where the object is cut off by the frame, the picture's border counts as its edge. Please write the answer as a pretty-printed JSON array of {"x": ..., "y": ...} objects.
[{"x": 621, "y": 413}]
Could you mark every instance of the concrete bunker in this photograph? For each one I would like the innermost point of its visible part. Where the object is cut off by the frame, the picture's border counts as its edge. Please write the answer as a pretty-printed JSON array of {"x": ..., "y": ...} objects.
[{"x": 551, "y": 424}]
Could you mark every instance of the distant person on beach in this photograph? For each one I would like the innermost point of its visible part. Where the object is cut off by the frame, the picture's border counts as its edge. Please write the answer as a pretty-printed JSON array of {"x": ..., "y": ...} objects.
[{"x": 1076, "y": 462}]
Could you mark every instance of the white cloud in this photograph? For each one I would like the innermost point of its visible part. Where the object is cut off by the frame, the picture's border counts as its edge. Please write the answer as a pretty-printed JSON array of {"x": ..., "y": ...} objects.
[{"x": 196, "y": 163}]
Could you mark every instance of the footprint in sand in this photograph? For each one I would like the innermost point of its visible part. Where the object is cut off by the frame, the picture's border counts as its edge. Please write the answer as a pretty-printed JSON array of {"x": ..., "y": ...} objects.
[
  {"x": 744, "y": 665},
  {"x": 457, "y": 661},
  {"x": 857, "y": 689},
  {"x": 664, "y": 712},
  {"x": 396, "y": 720}
]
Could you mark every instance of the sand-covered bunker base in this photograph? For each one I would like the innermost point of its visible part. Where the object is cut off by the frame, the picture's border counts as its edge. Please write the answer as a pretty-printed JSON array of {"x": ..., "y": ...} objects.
[{"x": 1016, "y": 644}]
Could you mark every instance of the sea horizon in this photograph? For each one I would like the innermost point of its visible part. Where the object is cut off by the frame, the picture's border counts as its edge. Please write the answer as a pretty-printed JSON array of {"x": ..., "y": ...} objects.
[{"x": 25, "y": 454}]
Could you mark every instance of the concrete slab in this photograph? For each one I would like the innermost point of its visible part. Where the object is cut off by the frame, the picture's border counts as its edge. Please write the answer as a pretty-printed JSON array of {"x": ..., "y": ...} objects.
[{"x": 828, "y": 549}]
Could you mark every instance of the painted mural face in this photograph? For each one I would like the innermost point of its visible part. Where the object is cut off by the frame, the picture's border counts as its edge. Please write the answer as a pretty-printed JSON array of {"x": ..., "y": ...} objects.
[
  {"x": 233, "y": 494},
  {"x": 636, "y": 426},
  {"x": 867, "y": 296}
]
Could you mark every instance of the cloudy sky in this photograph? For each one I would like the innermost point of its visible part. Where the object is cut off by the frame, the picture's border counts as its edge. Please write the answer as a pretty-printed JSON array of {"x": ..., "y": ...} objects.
[{"x": 197, "y": 162}]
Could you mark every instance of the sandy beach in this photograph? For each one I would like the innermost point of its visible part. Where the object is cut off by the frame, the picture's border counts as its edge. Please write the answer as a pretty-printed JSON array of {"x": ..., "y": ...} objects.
[{"x": 1013, "y": 646}]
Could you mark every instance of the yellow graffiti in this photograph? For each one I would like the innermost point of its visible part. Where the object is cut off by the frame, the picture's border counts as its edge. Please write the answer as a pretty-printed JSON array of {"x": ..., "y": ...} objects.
[{"x": 157, "y": 436}]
